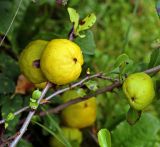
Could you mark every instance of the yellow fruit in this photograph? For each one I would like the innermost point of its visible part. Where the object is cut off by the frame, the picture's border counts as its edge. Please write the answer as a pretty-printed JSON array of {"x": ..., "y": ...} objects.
[
  {"x": 40, "y": 85},
  {"x": 81, "y": 114},
  {"x": 139, "y": 90},
  {"x": 32, "y": 53},
  {"x": 61, "y": 61},
  {"x": 73, "y": 135}
]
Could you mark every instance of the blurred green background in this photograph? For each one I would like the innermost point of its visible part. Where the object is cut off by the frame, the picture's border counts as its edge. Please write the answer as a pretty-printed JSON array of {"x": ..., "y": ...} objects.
[{"x": 130, "y": 27}]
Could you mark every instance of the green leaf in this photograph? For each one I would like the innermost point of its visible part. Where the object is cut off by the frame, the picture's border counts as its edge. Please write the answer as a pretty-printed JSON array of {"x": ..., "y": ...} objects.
[
  {"x": 133, "y": 116},
  {"x": 124, "y": 63},
  {"x": 9, "y": 66},
  {"x": 9, "y": 106},
  {"x": 74, "y": 17},
  {"x": 49, "y": 131},
  {"x": 155, "y": 58},
  {"x": 92, "y": 85},
  {"x": 81, "y": 92},
  {"x": 6, "y": 15},
  {"x": 24, "y": 143},
  {"x": 121, "y": 60},
  {"x": 87, "y": 22},
  {"x": 145, "y": 133},
  {"x": 60, "y": 137},
  {"x": 12, "y": 15},
  {"x": 87, "y": 45},
  {"x": 10, "y": 116},
  {"x": 6, "y": 85},
  {"x": 33, "y": 105},
  {"x": 104, "y": 138}
]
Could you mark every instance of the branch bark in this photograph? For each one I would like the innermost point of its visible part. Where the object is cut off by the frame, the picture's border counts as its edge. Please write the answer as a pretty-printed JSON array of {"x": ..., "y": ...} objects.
[
  {"x": 86, "y": 97},
  {"x": 148, "y": 71},
  {"x": 28, "y": 119},
  {"x": 57, "y": 109}
]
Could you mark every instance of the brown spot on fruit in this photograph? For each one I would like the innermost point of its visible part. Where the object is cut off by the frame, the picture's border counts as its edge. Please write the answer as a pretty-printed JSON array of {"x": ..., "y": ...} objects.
[
  {"x": 133, "y": 99},
  {"x": 75, "y": 60},
  {"x": 36, "y": 63},
  {"x": 85, "y": 105}
]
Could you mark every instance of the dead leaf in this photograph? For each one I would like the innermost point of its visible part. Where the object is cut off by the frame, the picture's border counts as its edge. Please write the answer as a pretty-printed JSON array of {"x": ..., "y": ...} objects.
[{"x": 23, "y": 85}]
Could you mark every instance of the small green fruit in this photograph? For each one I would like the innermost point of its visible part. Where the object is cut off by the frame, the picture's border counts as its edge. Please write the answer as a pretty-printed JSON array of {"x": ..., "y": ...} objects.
[
  {"x": 139, "y": 90},
  {"x": 73, "y": 135},
  {"x": 36, "y": 94}
]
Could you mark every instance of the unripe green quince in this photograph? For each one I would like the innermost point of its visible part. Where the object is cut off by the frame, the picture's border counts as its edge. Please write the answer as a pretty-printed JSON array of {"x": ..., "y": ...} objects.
[{"x": 139, "y": 90}]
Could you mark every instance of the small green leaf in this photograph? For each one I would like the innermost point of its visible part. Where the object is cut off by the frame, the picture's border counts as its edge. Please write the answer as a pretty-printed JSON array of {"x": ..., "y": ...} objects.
[
  {"x": 10, "y": 106},
  {"x": 92, "y": 85},
  {"x": 36, "y": 94},
  {"x": 80, "y": 92},
  {"x": 6, "y": 85},
  {"x": 24, "y": 143},
  {"x": 104, "y": 138},
  {"x": 87, "y": 45},
  {"x": 33, "y": 105},
  {"x": 155, "y": 58},
  {"x": 32, "y": 100},
  {"x": 121, "y": 60},
  {"x": 133, "y": 116},
  {"x": 6, "y": 125},
  {"x": 10, "y": 117},
  {"x": 86, "y": 23},
  {"x": 74, "y": 17}
]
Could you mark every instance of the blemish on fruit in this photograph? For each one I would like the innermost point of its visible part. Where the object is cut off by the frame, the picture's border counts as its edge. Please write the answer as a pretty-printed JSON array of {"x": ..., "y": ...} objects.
[
  {"x": 75, "y": 60},
  {"x": 36, "y": 63},
  {"x": 85, "y": 105},
  {"x": 133, "y": 99}
]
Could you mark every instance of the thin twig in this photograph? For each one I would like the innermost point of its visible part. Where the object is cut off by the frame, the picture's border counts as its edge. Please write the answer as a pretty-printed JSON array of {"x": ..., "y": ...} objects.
[
  {"x": 57, "y": 109},
  {"x": 99, "y": 91},
  {"x": 58, "y": 92},
  {"x": 73, "y": 86},
  {"x": 16, "y": 113},
  {"x": 11, "y": 23},
  {"x": 28, "y": 119},
  {"x": 153, "y": 70},
  {"x": 80, "y": 99},
  {"x": 148, "y": 71},
  {"x": 6, "y": 142}
]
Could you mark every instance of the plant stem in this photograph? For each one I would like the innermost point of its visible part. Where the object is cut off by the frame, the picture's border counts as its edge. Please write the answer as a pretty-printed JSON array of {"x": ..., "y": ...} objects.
[
  {"x": 73, "y": 86},
  {"x": 148, "y": 71},
  {"x": 60, "y": 91},
  {"x": 80, "y": 99},
  {"x": 29, "y": 117}
]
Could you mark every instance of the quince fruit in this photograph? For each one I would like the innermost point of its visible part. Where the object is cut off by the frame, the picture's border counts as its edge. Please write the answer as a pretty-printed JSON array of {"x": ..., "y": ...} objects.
[{"x": 139, "y": 90}]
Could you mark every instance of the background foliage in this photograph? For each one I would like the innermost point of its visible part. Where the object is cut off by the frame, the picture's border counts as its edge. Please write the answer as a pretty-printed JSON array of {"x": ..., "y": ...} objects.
[{"x": 129, "y": 27}]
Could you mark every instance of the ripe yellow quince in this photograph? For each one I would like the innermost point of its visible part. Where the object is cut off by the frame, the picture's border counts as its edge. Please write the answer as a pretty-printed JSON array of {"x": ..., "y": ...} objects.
[
  {"x": 139, "y": 90},
  {"x": 61, "y": 61},
  {"x": 40, "y": 85},
  {"x": 81, "y": 114},
  {"x": 29, "y": 55},
  {"x": 71, "y": 134}
]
